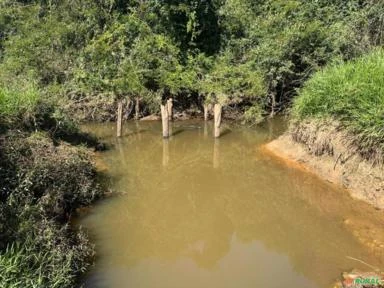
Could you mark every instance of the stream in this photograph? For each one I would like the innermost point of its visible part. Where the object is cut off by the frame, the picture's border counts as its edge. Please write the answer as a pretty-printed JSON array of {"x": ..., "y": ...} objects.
[{"x": 193, "y": 211}]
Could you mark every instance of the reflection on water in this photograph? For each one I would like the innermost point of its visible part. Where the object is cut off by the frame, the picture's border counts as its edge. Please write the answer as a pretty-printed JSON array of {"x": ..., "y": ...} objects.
[{"x": 200, "y": 212}]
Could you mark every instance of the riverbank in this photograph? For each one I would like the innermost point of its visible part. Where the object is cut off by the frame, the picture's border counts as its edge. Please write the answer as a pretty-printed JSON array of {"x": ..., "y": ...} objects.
[
  {"x": 46, "y": 173},
  {"x": 321, "y": 147},
  {"x": 336, "y": 127},
  {"x": 43, "y": 183}
]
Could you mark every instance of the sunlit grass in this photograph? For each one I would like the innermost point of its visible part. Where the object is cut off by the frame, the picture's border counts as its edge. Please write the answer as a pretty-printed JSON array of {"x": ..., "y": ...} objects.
[
  {"x": 353, "y": 94},
  {"x": 14, "y": 101},
  {"x": 22, "y": 265}
]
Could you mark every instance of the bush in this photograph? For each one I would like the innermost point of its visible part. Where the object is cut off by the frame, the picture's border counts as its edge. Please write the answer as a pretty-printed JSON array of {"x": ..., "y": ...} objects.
[
  {"x": 352, "y": 93},
  {"x": 41, "y": 186},
  {"x": 253, "y": 115},
  {"x": 37, "y": 174}
]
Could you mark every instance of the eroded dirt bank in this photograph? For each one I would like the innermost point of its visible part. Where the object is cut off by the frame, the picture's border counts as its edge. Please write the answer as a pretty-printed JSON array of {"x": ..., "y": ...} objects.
[{"x": 324, "y": 149}]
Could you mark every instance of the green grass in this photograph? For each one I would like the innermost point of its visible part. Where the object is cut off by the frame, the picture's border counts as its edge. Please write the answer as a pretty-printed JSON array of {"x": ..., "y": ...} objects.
[
  {"x": 14, "y": 101},
  {"x": 50, "y": 262},
  {"x": 23, "y": 266},
  {"x": 353, "y": 94}
]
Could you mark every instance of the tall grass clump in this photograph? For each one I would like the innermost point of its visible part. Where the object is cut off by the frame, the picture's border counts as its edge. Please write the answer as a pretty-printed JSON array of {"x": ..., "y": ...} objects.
[
  {"x": 14, "y": 101},
  {"x": 53, "y": 263},
  {"x": 353, "y": 94}
]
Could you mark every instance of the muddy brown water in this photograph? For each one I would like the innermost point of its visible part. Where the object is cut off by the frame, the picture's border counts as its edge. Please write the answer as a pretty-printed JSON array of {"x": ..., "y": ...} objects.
[{"x": 199, "y": 212}]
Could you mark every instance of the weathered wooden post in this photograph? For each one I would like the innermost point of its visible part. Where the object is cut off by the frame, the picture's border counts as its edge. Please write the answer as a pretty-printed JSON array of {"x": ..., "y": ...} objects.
[
  {"x": 210, "y": 109},
  {"x": 217, "y": 120},
  {"x": 205, "y": 112},
  {"x": 137, "y": 108},
  {"x": 119, "y": 117},
  {"x": 170, "y": 109},
  {"x": 165, "y": 120}
]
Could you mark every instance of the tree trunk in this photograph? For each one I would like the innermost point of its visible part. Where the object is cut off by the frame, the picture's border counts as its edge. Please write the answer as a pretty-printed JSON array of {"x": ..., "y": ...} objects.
[
  {"x": 165, "y": 120},
  {"x": 119, "y": 117},
  {"x": 137, "y": 108},
  {"x": 170, "y": 109},
  {"x": 217, "y": 115}
]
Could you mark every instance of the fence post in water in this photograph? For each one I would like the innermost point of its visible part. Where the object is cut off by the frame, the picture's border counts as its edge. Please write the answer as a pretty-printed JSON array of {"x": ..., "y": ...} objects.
[
  {"x": 137, "y": 108},
  {"x": 205, "y": 112},
  {"x": 170, "y": 109},
  {"x": 165, "y": 120},
  {"x": 217, "y": 115},
  {"x": 119, "y": 117}
]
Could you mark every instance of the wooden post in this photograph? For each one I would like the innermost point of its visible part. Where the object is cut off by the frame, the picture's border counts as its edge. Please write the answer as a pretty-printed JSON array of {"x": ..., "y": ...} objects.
[
  {"x": 165, "y": 121},
  {"x": 137, "y": 108},
  {"x": 217, "y": 124},
  {"x": 205, "y": 112},
  {"x": 119, "y": 117},
  {"x": 170, "y": 109}
]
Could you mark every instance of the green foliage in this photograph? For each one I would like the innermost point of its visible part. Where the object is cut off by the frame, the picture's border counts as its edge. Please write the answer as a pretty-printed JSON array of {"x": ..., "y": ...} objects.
[
  {"x": 195, "y": 51},
  {"x": 232, "y": 83},
  {"x": 46, "y": 260},
  {"x": 352, "y": 93},
  {"x": 59, "y": 28},
  {"x": 157, "y": 59},
  {"x": 106, "y": 64},
  {"x": 42, "y": 184},
  {"x": 289, "y": 40},
  {"x": 253, "y": 115},
  {"x": 14, "y": 101}
]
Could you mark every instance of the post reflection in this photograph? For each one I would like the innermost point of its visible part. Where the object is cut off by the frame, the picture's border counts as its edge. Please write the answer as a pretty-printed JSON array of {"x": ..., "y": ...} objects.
[
  {"x": 165, "y": 152},
  {"x": 216, "y": 153}
]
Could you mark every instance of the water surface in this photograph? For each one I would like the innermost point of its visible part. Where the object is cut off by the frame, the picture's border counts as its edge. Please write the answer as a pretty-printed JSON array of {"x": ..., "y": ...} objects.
[{"x": 200, "y": 212}]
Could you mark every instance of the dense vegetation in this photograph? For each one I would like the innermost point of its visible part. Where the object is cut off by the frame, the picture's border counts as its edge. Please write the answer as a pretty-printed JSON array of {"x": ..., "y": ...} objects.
[
  {"x": 42, "y": 181},
  {"x": 242, "y": 53},
  {"x": 78, "y": 57},
  {"x": 352, "y": 93}
]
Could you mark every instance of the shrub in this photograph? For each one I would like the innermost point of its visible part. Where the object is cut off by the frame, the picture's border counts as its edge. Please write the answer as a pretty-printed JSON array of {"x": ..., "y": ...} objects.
[
  {"x": 253, "y": 115},
  {"x": 41, "y": 186}
]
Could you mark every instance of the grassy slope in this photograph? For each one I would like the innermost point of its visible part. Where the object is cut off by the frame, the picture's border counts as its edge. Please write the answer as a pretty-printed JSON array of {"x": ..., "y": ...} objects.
[
  {"x": 353, "y": 94},
  {"x": 42, "y": 182}
]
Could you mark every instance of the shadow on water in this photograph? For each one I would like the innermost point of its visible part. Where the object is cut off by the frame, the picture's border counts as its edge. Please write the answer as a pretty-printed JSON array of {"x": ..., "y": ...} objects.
[
  {"x": 225, "y": 131},
  {"x": 178, "y": 131}
]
